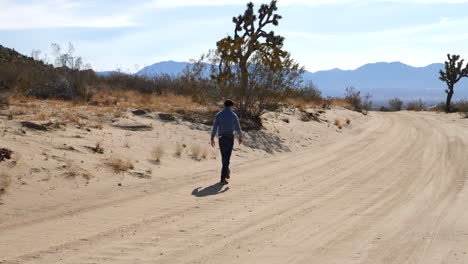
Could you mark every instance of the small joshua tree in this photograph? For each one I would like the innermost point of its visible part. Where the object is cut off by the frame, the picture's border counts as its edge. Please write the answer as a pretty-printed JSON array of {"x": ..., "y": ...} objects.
[{"x": 453, "y": 73}]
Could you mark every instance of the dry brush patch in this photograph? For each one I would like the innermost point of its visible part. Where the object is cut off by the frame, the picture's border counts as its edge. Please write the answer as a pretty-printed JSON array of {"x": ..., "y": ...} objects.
[
  {"x": 196, "y": 152},
  {"x": 179, "y": 149},
  {"x": 338, "y": 123},
  {"x": 119, "y": 165},
  {"x": 5, "y": 183},
  {"x": 157, "y": 153}
]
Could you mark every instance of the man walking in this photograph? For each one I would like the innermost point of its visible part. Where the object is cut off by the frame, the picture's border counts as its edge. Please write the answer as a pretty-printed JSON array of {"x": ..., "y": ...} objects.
[{"x": 226, "y": 122}]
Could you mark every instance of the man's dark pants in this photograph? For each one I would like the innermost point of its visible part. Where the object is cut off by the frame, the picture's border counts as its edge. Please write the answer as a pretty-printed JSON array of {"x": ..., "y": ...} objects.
[{"x": 226, "y": 144}]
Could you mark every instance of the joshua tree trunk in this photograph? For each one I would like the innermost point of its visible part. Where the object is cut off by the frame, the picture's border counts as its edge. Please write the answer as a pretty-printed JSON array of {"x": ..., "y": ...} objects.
[
  {"x": 449, "y": 99},
  {"x": 454, "y": 72}
]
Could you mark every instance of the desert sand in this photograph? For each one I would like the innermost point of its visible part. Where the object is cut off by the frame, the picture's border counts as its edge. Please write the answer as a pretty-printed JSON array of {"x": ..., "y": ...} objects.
[{"x": 388, "y": 188}]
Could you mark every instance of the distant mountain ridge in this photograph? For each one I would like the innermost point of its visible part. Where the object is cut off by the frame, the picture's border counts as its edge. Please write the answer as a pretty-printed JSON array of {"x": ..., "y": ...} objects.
[{"x": 383, "y": 80}]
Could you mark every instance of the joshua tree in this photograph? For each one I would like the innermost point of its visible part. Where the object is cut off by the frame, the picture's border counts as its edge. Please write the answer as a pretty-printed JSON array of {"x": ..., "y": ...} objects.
[
  {"x": 251, "y": 51},
  {"x": 453, "y": 73}
]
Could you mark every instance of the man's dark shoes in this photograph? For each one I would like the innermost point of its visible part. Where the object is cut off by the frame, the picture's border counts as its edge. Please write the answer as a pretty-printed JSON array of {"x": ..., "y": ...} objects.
[{"x": 224, "y": 182}]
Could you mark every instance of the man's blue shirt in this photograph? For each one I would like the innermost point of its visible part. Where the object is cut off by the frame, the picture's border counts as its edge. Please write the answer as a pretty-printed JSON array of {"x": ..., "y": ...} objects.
[{"x": 226, "y": 122}]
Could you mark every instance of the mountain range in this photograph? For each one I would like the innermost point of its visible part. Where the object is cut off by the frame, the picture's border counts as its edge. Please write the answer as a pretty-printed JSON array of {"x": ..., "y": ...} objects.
[{"x": 383, "y": 80}]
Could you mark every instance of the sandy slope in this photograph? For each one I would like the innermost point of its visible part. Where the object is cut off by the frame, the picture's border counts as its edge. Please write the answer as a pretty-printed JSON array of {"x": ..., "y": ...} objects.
[{"x": 391, "y": 192}]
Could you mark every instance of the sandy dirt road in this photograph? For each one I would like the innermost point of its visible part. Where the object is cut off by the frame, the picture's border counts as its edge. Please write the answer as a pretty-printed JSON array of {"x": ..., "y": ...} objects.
[{"x": 393, "y": 193}]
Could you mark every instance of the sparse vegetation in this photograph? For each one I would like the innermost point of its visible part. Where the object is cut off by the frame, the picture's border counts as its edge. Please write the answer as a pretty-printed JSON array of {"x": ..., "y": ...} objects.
[
  {"x": 416, "y": 105},
  {"x": 4, "y": 101},
  {"x": 157, "y": 153},
  {"x": 395, "y": 104},
  {"x": 41, "y": 116},
  {"x": 196, "y": 152},
  {"x": 5, "y": 183},
  {"x": 338, "y": 123},
  {"x": 348, "y": 121},
  {"x": 119, "y": 165},
  {"x": 462, "y": 108},
  {"x": 356, "y": 101},
  {"x": 179, "y": 149},
  {"x": 71, "y": 117}
]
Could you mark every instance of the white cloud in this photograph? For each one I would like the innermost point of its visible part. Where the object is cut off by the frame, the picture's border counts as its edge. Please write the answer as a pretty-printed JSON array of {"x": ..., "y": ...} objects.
[{"x": 55, "y": 14}]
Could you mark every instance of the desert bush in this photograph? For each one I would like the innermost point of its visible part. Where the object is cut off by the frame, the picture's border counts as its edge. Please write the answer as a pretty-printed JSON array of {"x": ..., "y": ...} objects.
[
  {"x": 179, "y": 149},
  {"x": 384, "y": 109},
  {"x": 119, "y": 165},
  {"x": 71, "y": 117},
  {"x": 415, "y": 105},
  {"x": 307, "y": 92},
  {"x": 348, "y": 121},
  {"x": 338, "y": 123},
  {"x": 157, "y": 153},
  {"x": 99, "y": 148},
  {"x": 4, "y": 101},
  {"x": 196, "y": 152},
  {"x": 327, "y": 102},
  {"x": 462, "y": 108},
  {"x": 204, "y": 154},
  {"x": 5, "y": 183},
  {"x": 356, "y": 101},
  {"x": 395, "y": 104},
  {"x": 41, "y": 116}
]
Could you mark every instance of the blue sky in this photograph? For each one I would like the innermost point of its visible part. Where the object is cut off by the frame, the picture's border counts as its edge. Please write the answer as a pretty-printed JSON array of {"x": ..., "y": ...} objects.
[{"x": 321, "y": 34}]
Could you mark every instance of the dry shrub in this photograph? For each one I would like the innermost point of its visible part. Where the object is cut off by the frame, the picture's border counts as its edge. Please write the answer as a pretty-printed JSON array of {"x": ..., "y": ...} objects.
[
  {"x": 119, "y": 165},
  {"x": 165, "y": 103},
  {"x": 462, "y": 108},
  {"x": 179, "y": 149},
  {"x": 204, "y": 154},
  {"x": 71, "y": 117},
  {"x": 196, "y": 152},
  {"x": 348, "y": 121},
  {"x": 416, "y": 105},
  {"x": 99, "y": 148},
  {"x": 5, "y": 183},
  {"x": 41, "y": 116},
  {"x": 338, "y": 123},
  {"x": 157, "y": 153},
  {"x": 4, "y": 102}
]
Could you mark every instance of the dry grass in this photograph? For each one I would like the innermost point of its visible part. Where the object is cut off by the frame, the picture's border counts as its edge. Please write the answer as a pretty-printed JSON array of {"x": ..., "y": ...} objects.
[
  {"x": 348, "y": 121},
  {"x": 179, "y": 149},
  {"x": 196, "y": 152},
  {"x": 338, "y": 123},
  {"x": 204, "y": 154},
  {"x": 301, "y": 103},
  {"x": 41, "y": 116},
  {"x": 99, "y": 148},
  {"x": 157, "y": 153},
  {"x": 96, "y": 125},
  {"x": 119, "y": 165},
  {"x": 71, "y": 117},
  {"x": 166, "y": 103},
  {"x": 5, "y": 183}
]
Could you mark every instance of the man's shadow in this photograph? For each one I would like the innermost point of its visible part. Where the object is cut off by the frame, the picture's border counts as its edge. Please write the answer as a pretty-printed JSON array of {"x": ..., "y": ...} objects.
[{"x": 209, "y": 191}]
